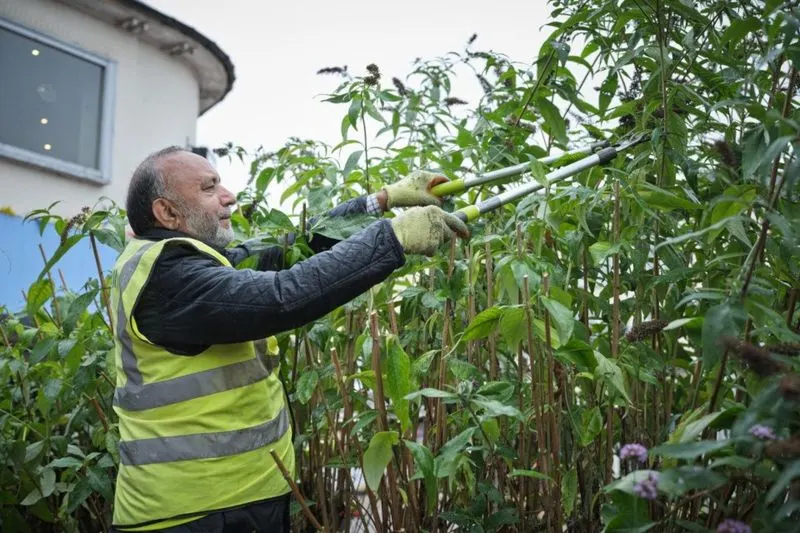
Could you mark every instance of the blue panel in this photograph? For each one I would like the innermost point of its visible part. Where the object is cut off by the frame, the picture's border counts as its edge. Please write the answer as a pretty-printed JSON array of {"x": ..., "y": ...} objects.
[{"x": 21, "y": 261}]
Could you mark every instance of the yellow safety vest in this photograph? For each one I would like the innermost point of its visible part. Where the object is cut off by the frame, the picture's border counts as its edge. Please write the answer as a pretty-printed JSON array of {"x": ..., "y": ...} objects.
[{"x": 195, "y": 432}]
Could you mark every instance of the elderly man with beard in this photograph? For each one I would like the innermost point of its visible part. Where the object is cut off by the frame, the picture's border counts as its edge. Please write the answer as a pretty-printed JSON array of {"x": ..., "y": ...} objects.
[{"x": 198, "y": 397}]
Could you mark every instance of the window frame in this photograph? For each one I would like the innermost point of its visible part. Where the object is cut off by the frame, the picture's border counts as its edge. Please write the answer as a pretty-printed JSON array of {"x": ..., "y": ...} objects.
[{"x": 101, "y": 175}]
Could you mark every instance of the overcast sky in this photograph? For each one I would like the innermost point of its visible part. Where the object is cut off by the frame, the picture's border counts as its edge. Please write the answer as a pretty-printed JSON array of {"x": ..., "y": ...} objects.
[{"x": 277, "y": 48}]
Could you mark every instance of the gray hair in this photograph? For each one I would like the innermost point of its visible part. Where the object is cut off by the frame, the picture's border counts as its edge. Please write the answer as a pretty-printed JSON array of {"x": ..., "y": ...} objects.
[{"x": 146, "y": 186}]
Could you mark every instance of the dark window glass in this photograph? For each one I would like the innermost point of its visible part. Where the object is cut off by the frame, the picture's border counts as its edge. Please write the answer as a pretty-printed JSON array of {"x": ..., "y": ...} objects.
[{"x": 50, "y": 100}]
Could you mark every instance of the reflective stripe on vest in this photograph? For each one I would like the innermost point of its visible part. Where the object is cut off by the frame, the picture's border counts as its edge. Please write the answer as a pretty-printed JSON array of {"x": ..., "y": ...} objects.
[
  {"x": 136, "y": 396},
  {"x": 203, "y": 445}
]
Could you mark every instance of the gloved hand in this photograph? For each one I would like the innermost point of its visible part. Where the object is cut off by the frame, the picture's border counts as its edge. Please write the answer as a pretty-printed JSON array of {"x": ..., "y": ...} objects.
[
  {"x": 421, "y": 230},
  {"x": 414, "y": 190}
]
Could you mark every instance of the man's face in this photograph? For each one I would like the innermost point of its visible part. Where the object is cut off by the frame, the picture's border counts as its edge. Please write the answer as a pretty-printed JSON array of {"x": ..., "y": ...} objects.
[{"x": 203, "y": 204}]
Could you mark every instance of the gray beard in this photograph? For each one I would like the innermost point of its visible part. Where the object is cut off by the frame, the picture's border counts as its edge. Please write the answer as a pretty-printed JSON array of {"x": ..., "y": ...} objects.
[{"x": 207, "y": 229}]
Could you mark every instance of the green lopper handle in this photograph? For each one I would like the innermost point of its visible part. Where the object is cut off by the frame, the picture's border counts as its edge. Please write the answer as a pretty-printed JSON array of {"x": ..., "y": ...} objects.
[{"x": 450, "y": 187}]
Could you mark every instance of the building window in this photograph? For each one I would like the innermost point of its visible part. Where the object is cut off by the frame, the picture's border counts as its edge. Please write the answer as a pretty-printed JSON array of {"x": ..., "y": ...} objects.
[{"x": 56, "y": 104}]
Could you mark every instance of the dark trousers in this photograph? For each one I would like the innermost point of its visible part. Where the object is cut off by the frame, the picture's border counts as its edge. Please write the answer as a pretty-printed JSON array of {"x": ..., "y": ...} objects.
[{"x": 270, "y": 516}]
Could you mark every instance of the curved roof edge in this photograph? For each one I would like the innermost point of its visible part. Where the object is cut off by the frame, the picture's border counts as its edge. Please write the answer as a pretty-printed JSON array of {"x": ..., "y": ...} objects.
[{"x": 212, "y": 67}]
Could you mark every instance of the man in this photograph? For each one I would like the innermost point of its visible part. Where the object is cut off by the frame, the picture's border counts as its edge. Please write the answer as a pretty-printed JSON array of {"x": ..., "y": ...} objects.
[{"x": 199, "y": 410}]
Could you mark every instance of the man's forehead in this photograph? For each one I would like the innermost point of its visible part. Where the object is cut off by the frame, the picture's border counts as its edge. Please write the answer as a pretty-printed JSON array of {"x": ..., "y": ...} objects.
[{"x": 186, "y": 167}]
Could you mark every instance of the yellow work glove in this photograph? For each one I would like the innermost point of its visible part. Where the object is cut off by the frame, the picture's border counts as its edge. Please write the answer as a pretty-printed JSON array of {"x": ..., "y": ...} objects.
[
  {"x": 414, "y": 190},
  {"x": 421, "y": 230}
]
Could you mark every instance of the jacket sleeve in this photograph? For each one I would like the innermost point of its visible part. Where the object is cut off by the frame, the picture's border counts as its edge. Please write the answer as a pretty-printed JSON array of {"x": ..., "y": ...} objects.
[
  {"x": 193, "y": 301},
  {"x": 271, "y": 258}
]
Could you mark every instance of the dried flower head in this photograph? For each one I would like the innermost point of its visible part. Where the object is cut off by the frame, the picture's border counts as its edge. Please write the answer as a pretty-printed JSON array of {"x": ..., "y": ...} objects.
[
  {"x": 485, "y": 85},
  {"x": 762, "y": 432},
  {"x": 733, "y": 526},
  {"x": 785, "y": 348},
  {"x": 333, "y": 70},
  {"x": 783, "y": 449},
  {"x": 454, "y": 101},
  {"x": 634, "y": 451},
  {"x": 371, "y": 80},
  {"x": 472, "y": 38},
  {"x": 757, "y": 359},
  {"x": 789, "y": 387},
  {"x": 400, "y": 87},
  {"x": 726, "y": 154},
  {"x": 645, "y": 330},
  {"x": 372, "y": 68},
  {"x": 77, "y": 220},
  {"x": 647, "y": 488}
]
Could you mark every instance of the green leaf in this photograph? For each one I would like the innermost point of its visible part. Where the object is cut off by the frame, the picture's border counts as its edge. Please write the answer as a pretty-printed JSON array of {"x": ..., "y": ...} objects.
[
  {"x": 495, "y": 408},
  {"x": 101, "y": 482},
  {"x": 689, "y": 450},
  {"x": 38, "y": 293},
  {"x": 352, "y": 162},
  {"x": 80, "y": 491},
  {"x": 553, "y": 121},
  {"x": 513, "y": 326},
  {"x": 425, "y": 464},
  {"x": 721, "y": 320},
  {"x": 66, "y": 462},
  {"x": 483, "y": 324},
  {"x": 32, "y": 497},
  {"x": 677, "y": 481},
  {"x": 663, "y": 199},
  {"x": 398, "y": 381},
  {"x": 681, "y": 322},
  {"x": 569, "y": 490},
  {"x": 430, "y": 393},
  {"x": 601, "y": 250},
  {"x": 609, "y": 371},
  {"x": 341, "y": 227},
  {"x": 58, "y": 254},
  {"x": 47, "y": 480},
  {"x": 530, "y": 473},
  {"x": 591, "y": 425},
  {"x": 789, "y": 473},
  {"x": 306, "y": 386},
  {"x": 626, "y": 483},
  {"x": 354, "y": 112},
  {"x": 378, "y": 456},
  {"x": 562, "y": 317}
]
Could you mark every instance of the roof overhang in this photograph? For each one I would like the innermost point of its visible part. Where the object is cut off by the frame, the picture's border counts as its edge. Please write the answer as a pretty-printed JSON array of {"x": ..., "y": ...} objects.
[{"x": 212, "y": 67}]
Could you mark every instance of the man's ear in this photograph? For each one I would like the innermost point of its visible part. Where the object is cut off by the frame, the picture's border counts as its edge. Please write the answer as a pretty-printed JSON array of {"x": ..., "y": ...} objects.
[{"x": 166, "y": 214}]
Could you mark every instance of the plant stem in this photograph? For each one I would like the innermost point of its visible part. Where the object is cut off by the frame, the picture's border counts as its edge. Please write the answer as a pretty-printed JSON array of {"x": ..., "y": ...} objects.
[
  {"x": 383, "y": 421},
  {"x": 296, "y": 491},
  {"x": 493, "y": 367}
]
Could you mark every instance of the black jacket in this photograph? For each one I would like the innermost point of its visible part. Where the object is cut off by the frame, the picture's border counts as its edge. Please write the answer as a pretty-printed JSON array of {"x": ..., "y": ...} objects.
[{"x": 191, "y": 301}]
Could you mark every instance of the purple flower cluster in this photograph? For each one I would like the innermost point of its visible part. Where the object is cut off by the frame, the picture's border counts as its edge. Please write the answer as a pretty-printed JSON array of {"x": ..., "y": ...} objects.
[
  {"x": 762, "y": 432},
  {"x": 647, "y": 488},
  {"x": 733, "y": 526},
  {"x": 636, "y": 451}
]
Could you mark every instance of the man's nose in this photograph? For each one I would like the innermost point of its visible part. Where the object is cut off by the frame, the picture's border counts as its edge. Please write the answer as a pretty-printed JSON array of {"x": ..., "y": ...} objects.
[{"x": 226, "y": 197}]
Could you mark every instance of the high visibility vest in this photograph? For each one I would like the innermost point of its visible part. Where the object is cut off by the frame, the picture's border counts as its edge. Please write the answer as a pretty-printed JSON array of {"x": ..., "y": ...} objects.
[{"x": 195, "y": 432}]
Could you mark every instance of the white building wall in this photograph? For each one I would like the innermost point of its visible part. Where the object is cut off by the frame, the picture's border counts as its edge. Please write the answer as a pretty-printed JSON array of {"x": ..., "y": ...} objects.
[{"x": 156, "y": 104}]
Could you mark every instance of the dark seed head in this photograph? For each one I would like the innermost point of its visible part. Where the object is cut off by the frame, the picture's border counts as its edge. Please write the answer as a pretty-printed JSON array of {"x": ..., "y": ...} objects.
[
  {"x": 784, "y": 348},
  {"x": 333, "y": 70},
  {"x": 472, "y": 38},
  {"x": 789, "y": 387},
  {"x": 755, "y": 358},
  {"x": 400, "y": 87},
  {"x": 454, "y": 101},
  {"x": 783, "y": 449},
  {"x": 485, "y": 85},
  {"x": 645, "y": 330},
  {"x": 372, "y": 68},
  {"x": 726, "y": 154}
]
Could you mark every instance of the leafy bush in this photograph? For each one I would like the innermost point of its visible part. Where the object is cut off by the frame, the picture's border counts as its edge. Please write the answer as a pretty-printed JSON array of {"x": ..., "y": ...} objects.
[{"x": 617, "y": 354}]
